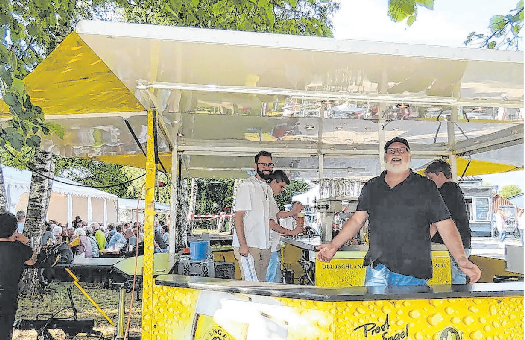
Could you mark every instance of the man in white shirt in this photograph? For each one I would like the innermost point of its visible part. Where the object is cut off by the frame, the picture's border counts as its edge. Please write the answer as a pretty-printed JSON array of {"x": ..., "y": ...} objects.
[{"x": 252, "y": 219}]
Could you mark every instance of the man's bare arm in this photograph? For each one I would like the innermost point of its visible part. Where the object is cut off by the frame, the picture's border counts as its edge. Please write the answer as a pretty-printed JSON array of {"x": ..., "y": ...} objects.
[
  {"x": 277, "y": 228},
  {"x": 450, "y": 235}
]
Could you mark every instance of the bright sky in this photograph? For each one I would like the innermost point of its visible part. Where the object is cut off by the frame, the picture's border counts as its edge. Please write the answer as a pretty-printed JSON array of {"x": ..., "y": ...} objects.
[{"x": 447, "y": 25}]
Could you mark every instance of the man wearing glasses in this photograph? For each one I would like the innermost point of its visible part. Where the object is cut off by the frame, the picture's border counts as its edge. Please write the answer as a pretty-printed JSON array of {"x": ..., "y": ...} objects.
[
  {"x": 252, "y": 220},
  {"x": 401, "y": 206}
]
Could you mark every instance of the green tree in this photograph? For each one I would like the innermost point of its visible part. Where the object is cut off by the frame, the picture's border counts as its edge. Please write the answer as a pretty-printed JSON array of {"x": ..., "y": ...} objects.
[
  {"x": 103, "y": 176},
  {"x": 300, "y": 17},
  {"x": 214, "y": 195},
  {"x": 137, "y": 181},
  {"x": 399, "y": 10},
  {"x": 510, "y": 190},
  {"x": 504, "y": 31}
]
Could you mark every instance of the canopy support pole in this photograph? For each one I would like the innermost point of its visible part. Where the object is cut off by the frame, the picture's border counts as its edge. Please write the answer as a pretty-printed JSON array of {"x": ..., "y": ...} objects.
[
  {"x": 451, "y": 122},
  {"x": 173, "y": 246},
  {"x": 149, "y": 215}
]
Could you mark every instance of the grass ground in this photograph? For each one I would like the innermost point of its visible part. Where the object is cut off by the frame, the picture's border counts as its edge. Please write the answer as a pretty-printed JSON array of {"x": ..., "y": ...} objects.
[{"x": 55, "y": 298}]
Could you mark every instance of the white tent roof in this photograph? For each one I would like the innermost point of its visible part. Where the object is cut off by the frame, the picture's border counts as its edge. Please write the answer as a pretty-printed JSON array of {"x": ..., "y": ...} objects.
[{"x": 309, "y": 197}]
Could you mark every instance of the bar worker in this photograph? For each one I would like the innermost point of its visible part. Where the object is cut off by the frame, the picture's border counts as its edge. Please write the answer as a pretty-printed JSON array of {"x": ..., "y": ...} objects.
[{"x": 401, "y": 206}]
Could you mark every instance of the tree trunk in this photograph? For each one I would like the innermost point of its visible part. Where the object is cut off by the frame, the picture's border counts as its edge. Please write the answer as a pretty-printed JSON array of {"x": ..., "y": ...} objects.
[
  {"x": 182, "y": 215},
  {"x": 3, "y": 197},
  {"x": 39, "y": 196}
]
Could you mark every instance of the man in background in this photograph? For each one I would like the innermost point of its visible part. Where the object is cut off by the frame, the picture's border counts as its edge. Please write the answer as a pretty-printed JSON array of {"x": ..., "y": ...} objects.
[
  {"x": 20, "y": 219},
  {"x": 278, "y": 180},
  {"x": 440, "y": 173}
]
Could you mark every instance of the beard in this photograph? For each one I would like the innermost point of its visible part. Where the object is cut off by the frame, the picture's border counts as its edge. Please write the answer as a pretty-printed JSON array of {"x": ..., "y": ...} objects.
[
  {"x": 263, "y": 175},
  {"x": 397, "y": 168}
]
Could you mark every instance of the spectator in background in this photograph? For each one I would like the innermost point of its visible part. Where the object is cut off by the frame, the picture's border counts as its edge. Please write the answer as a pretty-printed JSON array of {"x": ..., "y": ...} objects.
[
  {"x": 20, "y": 218},
  {"x": 57, "y": 233},
  {"x": 47, "y": 238},
  {"x": 111, "y": 232},
  {"x": 118, "y": 241},
  {"x": 159, "y": 244},
  {"x": 14, "y": 253},
  {"x": 501, "y": 223},
  {"x": 131, "y": 241},
  {"x": 77, "y": 222},
  {"x": 521, "y": 224},
  {"x": 99, "y": 235},
  {"x": 70, "y": 233},
  {"x": 165, "y": 234},
  {"x": 94, "y": 245},
  {"x": 82, "y": 244}
]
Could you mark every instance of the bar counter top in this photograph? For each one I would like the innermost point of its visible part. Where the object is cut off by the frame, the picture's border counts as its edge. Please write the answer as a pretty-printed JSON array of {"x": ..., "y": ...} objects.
[
  {"x": 342, "y": 294},
  {"x": 310, "y": 242}
]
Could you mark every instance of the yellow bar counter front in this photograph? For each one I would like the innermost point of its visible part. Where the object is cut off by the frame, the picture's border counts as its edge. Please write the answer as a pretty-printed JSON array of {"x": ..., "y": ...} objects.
[{"x": 190, "y": 307}]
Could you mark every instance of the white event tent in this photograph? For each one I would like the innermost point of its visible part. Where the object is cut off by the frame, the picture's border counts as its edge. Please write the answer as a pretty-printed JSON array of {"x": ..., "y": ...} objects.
[{"x": 68, "y": 198}]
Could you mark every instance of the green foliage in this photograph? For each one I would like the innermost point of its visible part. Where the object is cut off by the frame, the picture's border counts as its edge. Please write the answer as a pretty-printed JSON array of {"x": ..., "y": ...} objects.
[
  {"x": 504, "y": 31},
  {"x": 17, "y": 159},
  {"x": 214, "y": 195},
  {"x": 137, "y": 188},
  {"x": 301, "y": 17},
  {"x": 399, "y": 10},
  {"x": 294, "y": 188},
  {"x": 93, "y": 174},
  {"x": 510, "y": 190}
]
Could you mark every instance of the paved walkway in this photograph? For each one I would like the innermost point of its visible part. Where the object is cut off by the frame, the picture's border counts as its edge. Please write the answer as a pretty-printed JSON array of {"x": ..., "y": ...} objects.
[{"x": 492, "y": 247}]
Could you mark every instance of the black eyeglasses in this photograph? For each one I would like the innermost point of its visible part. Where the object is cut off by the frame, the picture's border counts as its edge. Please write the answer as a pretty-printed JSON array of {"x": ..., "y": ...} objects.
[
  {"x": 268, "y": 165},
  {"x": 393, "y": 151}
]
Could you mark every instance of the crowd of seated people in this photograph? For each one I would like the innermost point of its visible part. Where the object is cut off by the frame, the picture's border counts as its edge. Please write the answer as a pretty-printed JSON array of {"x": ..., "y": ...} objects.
[{"x": 97, "y": 240}]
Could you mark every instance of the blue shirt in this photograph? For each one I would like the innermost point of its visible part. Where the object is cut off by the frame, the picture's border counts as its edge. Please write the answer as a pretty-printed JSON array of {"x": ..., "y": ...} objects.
[{"x": 117, "y": 241}]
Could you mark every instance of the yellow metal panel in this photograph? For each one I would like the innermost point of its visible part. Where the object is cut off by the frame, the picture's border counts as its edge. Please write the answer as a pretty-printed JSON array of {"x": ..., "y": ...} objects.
[
  {"x": 349, "y": 271},
  {"x": 492, "y": 318},
  {"x": 441, "y": 319},
  {"x": 476, "y": 168},
  {"x": 73, "y": 80},
  {"x": 172, "y": 313}
]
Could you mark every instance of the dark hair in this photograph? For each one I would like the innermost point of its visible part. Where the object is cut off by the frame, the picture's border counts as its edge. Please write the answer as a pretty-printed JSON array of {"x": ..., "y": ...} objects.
[
  {"x": 438, "y": 166},
  {"x": 279, "y": 176},
  {"x": 397, "y": 140},
  {"x": 8, "y": 224},
  {"x": 262, "y": 153}
]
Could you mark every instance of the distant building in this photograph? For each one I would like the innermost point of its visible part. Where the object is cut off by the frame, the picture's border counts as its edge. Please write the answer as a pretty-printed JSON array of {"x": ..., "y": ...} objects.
[{"x": 479, "y": 201}]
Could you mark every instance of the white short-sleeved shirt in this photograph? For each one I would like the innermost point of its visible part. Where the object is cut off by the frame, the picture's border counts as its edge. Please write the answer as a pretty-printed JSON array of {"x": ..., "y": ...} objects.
[
  {"x": 274, "y": 236},
  {"x": 253, "y": 197}
]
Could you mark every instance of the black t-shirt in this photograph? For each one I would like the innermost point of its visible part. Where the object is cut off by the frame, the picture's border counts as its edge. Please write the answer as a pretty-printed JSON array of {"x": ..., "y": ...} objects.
[
  {"x": 399, "y": 223},
  {"x": 453, "y": 197},
  {"x": 12, "y": 258}
]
